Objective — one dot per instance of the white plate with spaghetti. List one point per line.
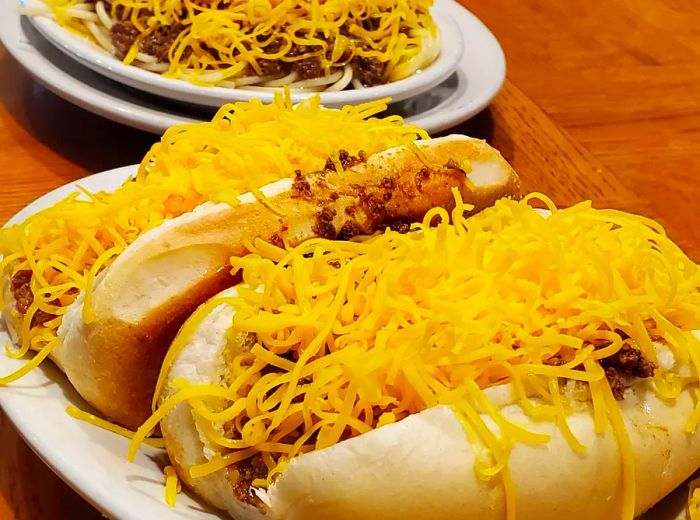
(92, 460)
(466, 92)
(341, 86)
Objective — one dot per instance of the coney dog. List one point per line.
(505, 365)
(112, 338)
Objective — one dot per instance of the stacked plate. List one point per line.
(460, 83)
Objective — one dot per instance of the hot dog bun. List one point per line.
(112, 352)
(423, 466)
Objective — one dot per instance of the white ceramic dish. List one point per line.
(479, 76)
(102, 62)
(93, 461)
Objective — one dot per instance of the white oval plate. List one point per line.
(93, 461)
(102, 62)
(479, 76)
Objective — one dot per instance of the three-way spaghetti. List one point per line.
(312, 45)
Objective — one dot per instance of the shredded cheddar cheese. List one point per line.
(89, 418)
(350, 336)
(245, 146)
(172, 485)
(238, 43)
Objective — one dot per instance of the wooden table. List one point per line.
(602, 102)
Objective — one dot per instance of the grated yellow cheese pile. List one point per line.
(355, 335)
(220, 40)
(245, 146)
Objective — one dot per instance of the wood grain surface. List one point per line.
(602, 102)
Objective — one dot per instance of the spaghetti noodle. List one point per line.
(311, 45)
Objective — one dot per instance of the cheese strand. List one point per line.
(89, 418)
